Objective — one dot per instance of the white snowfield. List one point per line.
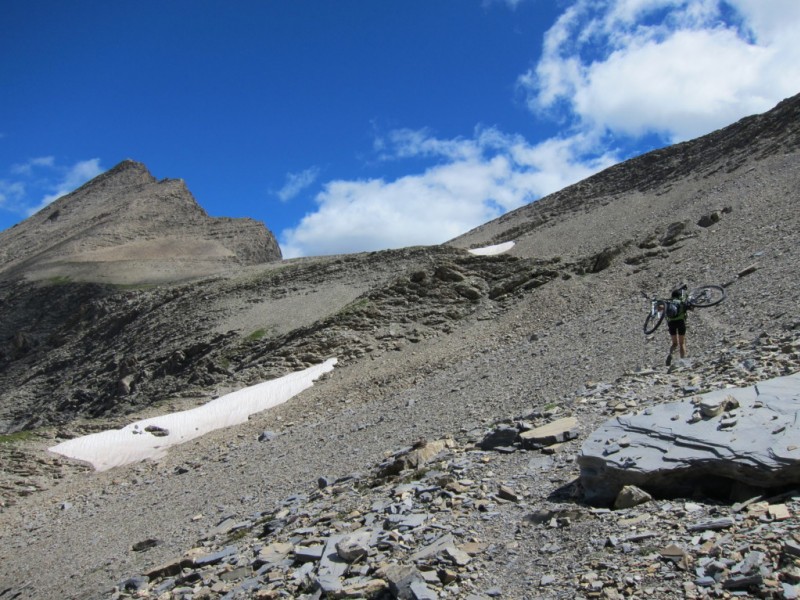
(492, 250)
(133, 443)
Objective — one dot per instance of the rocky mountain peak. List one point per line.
(125, 226)
(127, 173)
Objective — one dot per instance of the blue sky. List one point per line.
(354, 125)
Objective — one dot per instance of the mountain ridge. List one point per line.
(760, 136)
(436, 348)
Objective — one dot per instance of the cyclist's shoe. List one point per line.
(669, 359)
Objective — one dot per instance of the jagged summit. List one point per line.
(125, 226)
(127, 173)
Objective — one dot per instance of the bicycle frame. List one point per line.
(657, 306)
(700, 297)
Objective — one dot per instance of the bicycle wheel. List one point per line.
(652, 322)
(707, 295)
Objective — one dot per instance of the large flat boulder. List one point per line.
(711, 445)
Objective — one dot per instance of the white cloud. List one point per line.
(296, 183)
(408, 143)
(70, 179)
(11, 192)
(688, 85)
(27, 168)
(39, 181)
(609, 69)
(481, 178)
(678, 68)
(512, 4)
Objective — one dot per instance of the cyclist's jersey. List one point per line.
(681, 315)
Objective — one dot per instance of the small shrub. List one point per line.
(17, 437)
(59, 280)
(257, 335)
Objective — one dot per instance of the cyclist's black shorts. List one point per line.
(677, 327)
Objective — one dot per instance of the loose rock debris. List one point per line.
(454, 518)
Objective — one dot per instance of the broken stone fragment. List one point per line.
(506, 493)
(157, 431)
(308, 553)
(677, 555)
(168, 569)
(779, 512)
(709, 219)
(400, 578)
(422, 453)
(275, 552)
(267, 436)
(352, 548)
(743, 582)
(714, 406)
(747, 271)
(215, 557)
(560, 430)
(458, 557)
(502, 436)
(421, 591)
(630, 496)
(714, 525)
(145, 545)
(434, 548)
(791, 548)
(369, 588)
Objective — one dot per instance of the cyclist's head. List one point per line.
(676, 293)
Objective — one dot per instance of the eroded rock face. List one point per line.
(739, 438)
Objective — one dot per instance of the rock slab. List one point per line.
(677, 448)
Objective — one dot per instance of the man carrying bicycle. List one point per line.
(677, 308)
(674, 309)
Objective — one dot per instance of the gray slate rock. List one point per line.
(675, 450)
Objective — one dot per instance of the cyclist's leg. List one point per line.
(681, 328)
(673, 333)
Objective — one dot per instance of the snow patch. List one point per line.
(492, 250)
(134, 443)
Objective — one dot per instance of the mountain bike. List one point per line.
(700, 297)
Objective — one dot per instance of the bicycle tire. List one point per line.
(707, 295)
(652, 322)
